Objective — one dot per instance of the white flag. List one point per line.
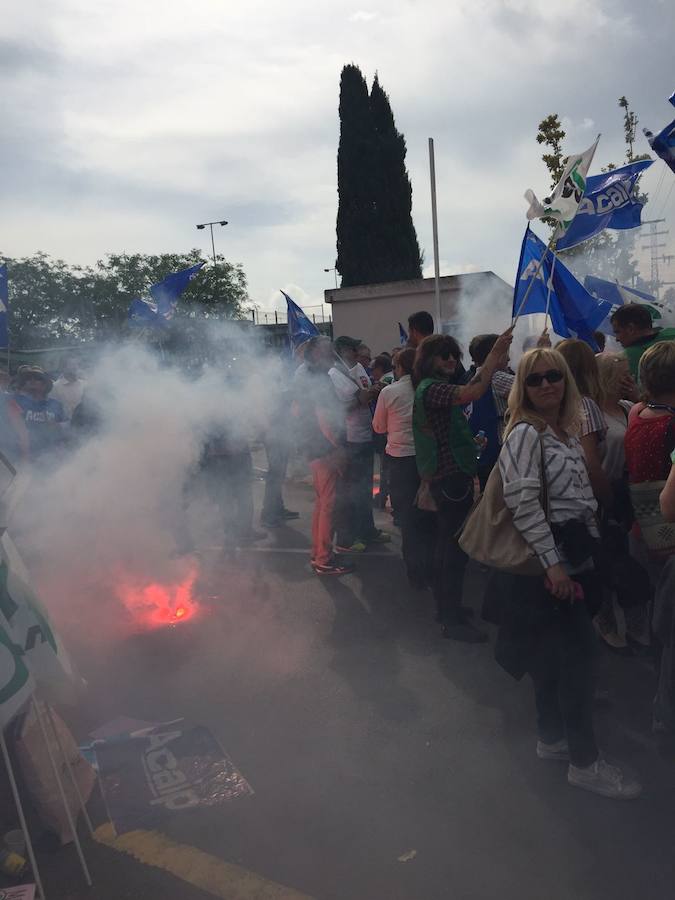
(566, 196)
(16, 682)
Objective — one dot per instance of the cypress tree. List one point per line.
(356, 164)
(397, 252)
(376, 239)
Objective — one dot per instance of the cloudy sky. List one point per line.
(125, 123)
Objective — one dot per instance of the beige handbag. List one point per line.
(489, 536)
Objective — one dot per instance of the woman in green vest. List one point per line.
(446, 458)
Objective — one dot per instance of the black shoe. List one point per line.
(464, 632)
(333, 568)
(289, 514)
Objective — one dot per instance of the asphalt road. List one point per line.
(387, 763)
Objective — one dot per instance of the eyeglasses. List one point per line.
(535, 379)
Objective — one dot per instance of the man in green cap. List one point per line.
(635, 331)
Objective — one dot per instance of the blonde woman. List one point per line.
(546, 628)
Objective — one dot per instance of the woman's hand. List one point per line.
(561, 585)
(544, 340)
(498, 357)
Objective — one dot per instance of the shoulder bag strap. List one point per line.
(545, 498)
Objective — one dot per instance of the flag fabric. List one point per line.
(142, 314)
(609, 201)
(402, 336)
(17, 685)
(574, 312)
(564, 200)
(671, 99)
(4, 306)
(663, 143)
(165, 293)
(300, 328)
(617, 294)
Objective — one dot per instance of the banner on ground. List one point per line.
(173, 767)
(573, 311)
(564, 201)
(609, 201)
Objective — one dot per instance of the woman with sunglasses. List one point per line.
(546, 628)
(446, 459)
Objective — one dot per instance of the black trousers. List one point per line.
(354, 511)
(554, 642)
(276, 449)
(454, 498)
(418, 528)
(228, 480)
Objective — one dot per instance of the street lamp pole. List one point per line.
(213, 248)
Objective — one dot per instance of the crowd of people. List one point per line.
(556, 476)
(567, 462)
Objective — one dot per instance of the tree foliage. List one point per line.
(551, 134)
(51, 302)
(376, 239)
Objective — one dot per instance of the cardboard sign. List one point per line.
(19, 892)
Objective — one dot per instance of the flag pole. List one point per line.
(533, 279)
(434, 223)
(548, 292)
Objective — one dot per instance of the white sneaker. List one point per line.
(558, 750)
(606, 780)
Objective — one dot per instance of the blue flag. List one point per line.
(574, 312)
(4, 306)
(166, 293)
(402, 336)
(300, 328)
(608, 202)
(671, 99)
(663, 143)
(144, 315)
(616, 294)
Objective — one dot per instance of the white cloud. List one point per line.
(129, 123)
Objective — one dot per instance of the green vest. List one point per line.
(426, 449)
(635, 351)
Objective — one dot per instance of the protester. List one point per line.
(546, 628)
(382, 374)
(487, 413)
(382, 369)
(502, 380)
(420, 325)
(277, 441)
(446, 461)
(625, 579)
(635, 331)
(69, 387)
(44, 417)
(393, 417)
(14, 441)
(354, 515)
(584, 367)
(321, 428)
(649, 445)
(364, 356)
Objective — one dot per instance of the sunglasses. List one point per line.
(535, 380)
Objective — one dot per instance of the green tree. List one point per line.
(551, 134)
(397, 250)
(376, 239)
(51, 302)
(356, 170)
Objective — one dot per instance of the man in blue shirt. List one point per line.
(43, 416)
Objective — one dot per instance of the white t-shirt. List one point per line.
(358, 419)
(393, 417)
(68, 393)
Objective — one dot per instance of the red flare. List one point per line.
(155, 604)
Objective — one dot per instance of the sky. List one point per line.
(127, 123)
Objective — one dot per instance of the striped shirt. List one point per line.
(592, 419)
(502, 382)
(570, 495)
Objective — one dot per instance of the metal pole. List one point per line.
(434, 222)
(549, 287)
(215, 265)
(64, 799)
(22, 817)
(73, 780)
